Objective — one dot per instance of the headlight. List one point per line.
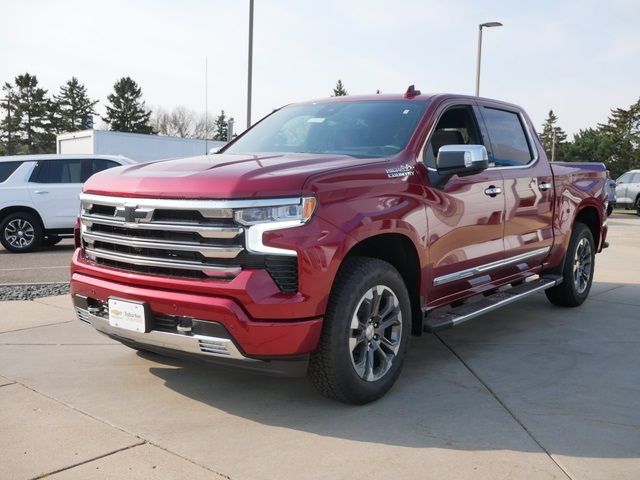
(300, 212)
(259, 220)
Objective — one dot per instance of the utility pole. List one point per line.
(250, 66)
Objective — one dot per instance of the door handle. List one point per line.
(41, 192)
(544, 186)
(492, 191)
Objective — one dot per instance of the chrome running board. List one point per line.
(450, 318)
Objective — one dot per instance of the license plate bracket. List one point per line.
(128, 315)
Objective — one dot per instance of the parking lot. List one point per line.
(530, 391)
(48, 264)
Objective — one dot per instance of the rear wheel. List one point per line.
(577, 273)
(21, 232)
(365, 333)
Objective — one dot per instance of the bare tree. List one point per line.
(178, 122)
(204, 127)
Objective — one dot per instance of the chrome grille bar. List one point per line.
(208, 251)
(202, 230)
(210, 270)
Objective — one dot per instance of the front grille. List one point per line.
(173, 238)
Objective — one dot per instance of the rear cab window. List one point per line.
(510, 145)
(7, 169)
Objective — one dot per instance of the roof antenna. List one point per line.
(411, 92)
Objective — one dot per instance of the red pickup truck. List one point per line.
(324, 236)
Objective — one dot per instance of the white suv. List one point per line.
(39, 196)
(628, 190)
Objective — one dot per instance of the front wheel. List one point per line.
(365, 333)
(577, 273)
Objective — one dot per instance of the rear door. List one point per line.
(55, 187)
(528, 187)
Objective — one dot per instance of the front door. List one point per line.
(465, 216)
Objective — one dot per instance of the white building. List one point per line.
(136, 146)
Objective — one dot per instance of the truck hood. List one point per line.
(220, 176)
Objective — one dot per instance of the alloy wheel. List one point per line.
(19, 233)
(376, 333)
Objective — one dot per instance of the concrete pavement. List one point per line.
(531, 391)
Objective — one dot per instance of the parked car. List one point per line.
(628, 190)
(321, 238)
(39, 196)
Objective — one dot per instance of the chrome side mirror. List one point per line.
(462, 160)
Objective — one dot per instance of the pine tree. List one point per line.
(340, 91)
(221, 127)
(74, 109)
(34, 127)
(126, 111)
(552, 136)
(9, 136)
(622, 135)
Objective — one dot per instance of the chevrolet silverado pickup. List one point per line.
(324, 236)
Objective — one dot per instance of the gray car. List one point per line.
(628, 190)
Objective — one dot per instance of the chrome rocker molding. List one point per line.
(472, 272)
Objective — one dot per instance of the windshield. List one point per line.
(361, 129)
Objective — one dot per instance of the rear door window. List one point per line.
(7, 169)
(509, 143)
(58, 171)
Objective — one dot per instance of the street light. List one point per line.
(250, 66)
(480, 27)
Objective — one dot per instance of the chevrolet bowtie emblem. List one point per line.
(132, 214)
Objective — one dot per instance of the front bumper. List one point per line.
(222, 330)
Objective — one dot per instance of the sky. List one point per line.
(579, 58)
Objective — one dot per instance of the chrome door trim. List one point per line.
(472, 272)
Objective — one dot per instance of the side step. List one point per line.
(458, 315)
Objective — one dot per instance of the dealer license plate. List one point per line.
(127, 315)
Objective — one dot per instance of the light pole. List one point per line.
(250, 66)
(480, 27)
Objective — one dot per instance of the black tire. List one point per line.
(577, 273)
(344, 350)
(21, 232)
(51, 241)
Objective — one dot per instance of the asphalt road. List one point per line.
(48, 264)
